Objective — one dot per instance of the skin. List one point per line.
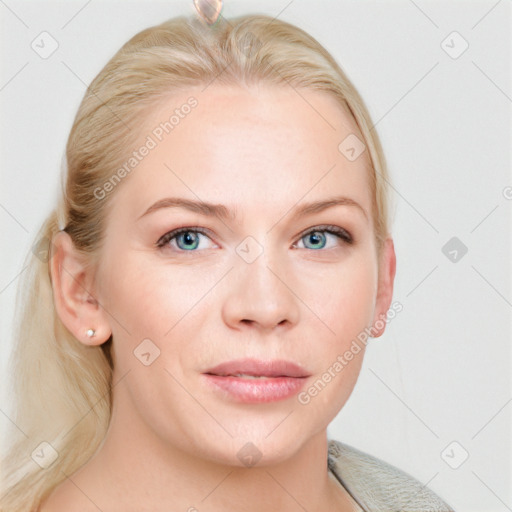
(172, 443)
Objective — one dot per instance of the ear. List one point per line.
(387, 270)
(73, 292)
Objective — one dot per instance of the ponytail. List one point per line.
(61, 389)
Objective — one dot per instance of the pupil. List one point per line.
(316, 238)
(188, 238)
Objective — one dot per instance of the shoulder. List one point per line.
(377, 485)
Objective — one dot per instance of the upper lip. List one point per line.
(255, 367)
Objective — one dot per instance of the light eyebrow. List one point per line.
(221, 212)
(201, 207)
(319, 206)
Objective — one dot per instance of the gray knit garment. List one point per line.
(378, 486)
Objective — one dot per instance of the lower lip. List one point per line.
(255, 391)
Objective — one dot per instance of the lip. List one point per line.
(258, 368)
(256, 381)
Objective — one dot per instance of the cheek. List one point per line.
(143, 302)
(345, 299)
(345, 303)
(346, 310)
(156, 302)
(140, 304)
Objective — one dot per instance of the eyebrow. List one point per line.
(221, 212)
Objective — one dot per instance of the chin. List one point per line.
(255, 445)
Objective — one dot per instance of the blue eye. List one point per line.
(186, 239)
(317, 237)
(189, 239)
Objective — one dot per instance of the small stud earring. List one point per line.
(91, 333)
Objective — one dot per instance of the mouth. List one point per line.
(256, 381)
(258, 369)
(247, 376)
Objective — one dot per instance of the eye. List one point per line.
(190, 239)
(184, 239)
(317, 237)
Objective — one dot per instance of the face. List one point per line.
(245, 304)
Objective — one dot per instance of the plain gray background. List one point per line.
(437, 385)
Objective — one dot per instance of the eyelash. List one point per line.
(341, 233)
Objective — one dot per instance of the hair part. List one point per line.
(63, 387)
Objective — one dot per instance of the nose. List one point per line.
(260, 296)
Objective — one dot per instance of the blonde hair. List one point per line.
(62, 387)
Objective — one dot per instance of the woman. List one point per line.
(221, 241)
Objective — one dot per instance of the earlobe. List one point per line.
(73, 293)
(387, 270)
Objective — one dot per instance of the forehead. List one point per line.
(263, 144)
